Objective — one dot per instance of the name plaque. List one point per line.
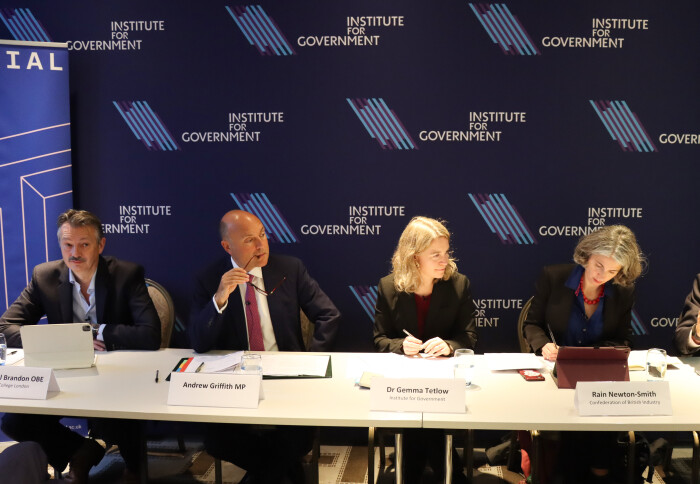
(27, 382)
(215, 390)
(439, 395)
(623, 398)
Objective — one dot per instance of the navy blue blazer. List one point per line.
(552, 304)
(450, 315)
(209, 330)
(122, 303)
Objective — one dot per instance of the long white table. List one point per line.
(122, 385)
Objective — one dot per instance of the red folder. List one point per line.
(575, 364)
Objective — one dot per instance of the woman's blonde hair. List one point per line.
(618, 242)
(416, 237)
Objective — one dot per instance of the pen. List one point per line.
(12, 352)
(409, 334)
(157, 375)
(551, 335)
(199, 367)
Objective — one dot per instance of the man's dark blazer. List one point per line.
(688, 318)
(552, 304)
(121, 299)
(209, 330)
(450, 315)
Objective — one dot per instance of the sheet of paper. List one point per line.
(637, 360)
(215, 364)
(280, 364)
(512, 361)
(392, 365)
(14, 355)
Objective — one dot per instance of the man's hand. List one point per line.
(99, 345)
(229, 281)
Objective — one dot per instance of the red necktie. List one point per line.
(255, 338)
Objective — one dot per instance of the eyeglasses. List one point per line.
(263, 291)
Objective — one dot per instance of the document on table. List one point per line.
(637, 361)
(513, 361)
(14, 355)
(215, 364)
(392, 365)
(281, 364)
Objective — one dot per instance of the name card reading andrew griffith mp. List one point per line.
(439, 395)
(597, 398)
(215, 390)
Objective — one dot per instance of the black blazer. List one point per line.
(450, 315)
(209, 330)
(121, 299)
(688, 318)
(552, 304)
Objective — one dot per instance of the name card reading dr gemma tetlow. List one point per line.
(27, 382)
(215, 390)
(439, 395)
(623, 398)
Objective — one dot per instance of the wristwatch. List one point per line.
(95, 329)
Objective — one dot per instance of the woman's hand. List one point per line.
(436, 347)
(411, 346)
(550, 351)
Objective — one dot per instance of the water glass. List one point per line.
(464, 364)
(251, 364)
(656, 364)
(3, 349)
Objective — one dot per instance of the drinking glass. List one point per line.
(464, 364)
(656, 364)
(251, 364)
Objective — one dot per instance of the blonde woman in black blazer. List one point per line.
(427, 297)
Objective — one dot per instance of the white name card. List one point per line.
(439, 395)
(27, 382)
(215, 390)
(623, 398)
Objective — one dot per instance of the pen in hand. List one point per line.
(409, 334)
(551, 335)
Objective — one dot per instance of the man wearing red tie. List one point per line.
(251, 299)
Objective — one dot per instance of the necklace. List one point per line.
(590, 302)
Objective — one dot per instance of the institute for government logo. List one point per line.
(146, 125)
(502, 218)
(504, 29)
(638, 328)
(23, 25)
(276, 227)
(260, 30)
(367, 297)
(382, 123)
(623, 126)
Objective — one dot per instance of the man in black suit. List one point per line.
(251, 299)
(111, 295)
(686, 336)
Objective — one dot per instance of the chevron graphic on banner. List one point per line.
(146, 125)
(623, 126)
(23, 25)
(504, 29)
(503, 219)
(276, 226)
(382, 124)
(638, 327)
(260, 30)
(367, 297)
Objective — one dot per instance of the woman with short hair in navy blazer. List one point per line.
(425, 296)
(588, 303)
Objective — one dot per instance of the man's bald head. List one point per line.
(243, 237)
